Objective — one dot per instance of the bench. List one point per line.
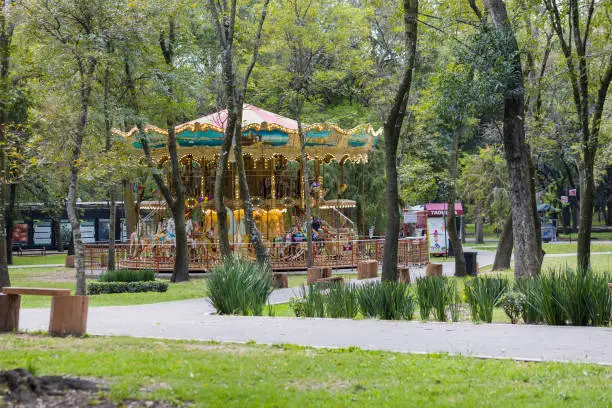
(31, 251)
(68, 313)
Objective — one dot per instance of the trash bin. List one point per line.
(470, 263)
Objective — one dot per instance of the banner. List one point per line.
(438, 240)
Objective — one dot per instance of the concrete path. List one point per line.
(36, 266)
(192, 320)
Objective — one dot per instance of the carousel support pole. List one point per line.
(203, 180)
(363, 230)
(273, 181)
(301, 185)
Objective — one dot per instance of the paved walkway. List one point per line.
(192, 320)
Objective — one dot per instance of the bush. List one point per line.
(483, 294)
(98, 288)
(128, 275)
(237, 286)
(513, 303)
(386, 300)
(437, 293)
(564, 296)
(341, 301)
(311, 303)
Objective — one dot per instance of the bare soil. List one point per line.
(20, 389)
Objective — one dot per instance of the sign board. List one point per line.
(20, 233)
(42, 232)
(572, 192)
(103, 229)
(88, 231)
(410, 217)
(66, 231)
(438, 239)
(564, 199)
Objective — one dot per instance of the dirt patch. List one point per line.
(23, 390)
(59, 275)
(332, 385)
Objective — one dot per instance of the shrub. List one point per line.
(564, 296)
(128, 275)
(386, 300)
(483, 293)
(513, 303)
(237, 286)
(311, 302)
(341, 301)
(437, 293)
(98, 288)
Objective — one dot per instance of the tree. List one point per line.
(578, 37)
(224, 17)
(392, 131)
(74, 27)
(528, 255)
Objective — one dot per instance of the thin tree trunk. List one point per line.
(451, 225)
(10, 218)
(306, 182)
(479, 230)
(57, 232)
(222, 230)
(392, 130)
(256, 240)
(4, 273)
(527, 254)
(111, 191)
(503, 255)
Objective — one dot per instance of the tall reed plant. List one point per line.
(437, 295)
(483, 294)
(237, 286)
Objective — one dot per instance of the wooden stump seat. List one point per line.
(315, 273)
(433, 269)
(68, 313)
(367, 269)
(280, 280)
(332, 279)
(403, 273)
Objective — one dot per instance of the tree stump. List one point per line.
(332, 279)
(9, 312)
(68, 315)
(326, 272)
(433, 269)
(69, 261)
(367, 269)
(404, 274)
(280, 280)
(313, 275)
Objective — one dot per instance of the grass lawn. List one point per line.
(245, 375)
(53, 259)
(65, 278)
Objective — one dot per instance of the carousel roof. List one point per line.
(265, 134)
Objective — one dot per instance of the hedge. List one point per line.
(98, 288)
(128, 275)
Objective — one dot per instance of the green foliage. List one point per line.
(483, 294)
(127, 275)
(386, 300)
(565, 296)
(513, 303)
(342, 301)
(438, 294)
(97, 288)
(238, 286)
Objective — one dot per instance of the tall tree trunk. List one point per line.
(451, 225)
(10, 219)
(527, 254)
(180, 272)
(111, 191)
(503, 255)
(392, 130)
(71, 203)
(222, 229)
(306, 182)
(4, 273)
(256, 240)
(56, 223)
(479, 228)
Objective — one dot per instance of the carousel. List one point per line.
(275, 174)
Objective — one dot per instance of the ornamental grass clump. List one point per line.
(565, 296)
(386, 300)
(437, 294)
(311, 302)
(237, 286)
(341, 301)
(483, 294)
